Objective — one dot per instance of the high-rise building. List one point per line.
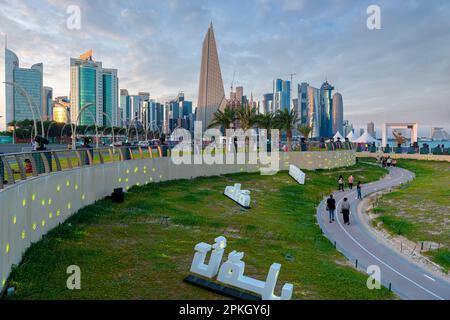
(314, 111)
(47, 103)
(326, 105)
(61, 110)
(302, 92)
(211, 94)
(348, 127)
(17, 106)
(240, 94)
(125, 107)
(281, 94)
(337, 114)
(90, 84)
(371, 129)
(110, 98)
(268, 102)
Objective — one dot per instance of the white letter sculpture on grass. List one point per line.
(235, 193)
(232, 271)
(297, 174)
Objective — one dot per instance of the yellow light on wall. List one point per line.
(136, 170)
(33, 197)
(128, 171)
(154, 170)
(43, 202)
(76, 186)
(34, 226)
(83, 197)
(43, 222)
(119, 180)
(58, 213)
(7, 248)
(58, 188)
(49, 201)
(3, 282)
(69, 205)
(14, 220)
(126, 180)
(24, 202)
(50, 215)
(67, 183)
(23, 235)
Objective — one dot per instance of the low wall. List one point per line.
(31, 208)
(432, 157)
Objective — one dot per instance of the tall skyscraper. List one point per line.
(240, 94)
(125, 107)
(268, 102)
(47, 103)
(91, 84)
(281, 94)
(371, 129)
(326, 106)
(303, 102)
(211, 94)
(110, 97)
(338, 114)
(30, 80)
(314, 111)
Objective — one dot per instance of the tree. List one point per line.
(286, 120)
(305, 130)
(224, 118)
(247, 117)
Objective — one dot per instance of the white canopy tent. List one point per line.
(338, 135)
(365, 138)
(351, 136)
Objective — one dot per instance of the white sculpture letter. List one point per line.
(297, 174)
(235, 193)
(198, 264)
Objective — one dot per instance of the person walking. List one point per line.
(345, 210)
(358, 190)
(350, 182)
(341, 183)
(331, 207)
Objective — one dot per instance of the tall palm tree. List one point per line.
(265, 121)
(223, 118)
(286, 120)
(247, 117)
(305, 130)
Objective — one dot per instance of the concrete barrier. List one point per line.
(416, 156)
(31, 208)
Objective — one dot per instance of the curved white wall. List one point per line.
(29, 209)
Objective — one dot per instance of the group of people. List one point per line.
(345, 206)
(386, 161)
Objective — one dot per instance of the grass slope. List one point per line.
(143, 248)
(420, 210)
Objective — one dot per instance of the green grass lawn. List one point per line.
(143, 248)
(420, 210)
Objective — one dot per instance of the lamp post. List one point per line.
(30, 105)
(74, 132)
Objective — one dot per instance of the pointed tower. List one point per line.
(211, 94)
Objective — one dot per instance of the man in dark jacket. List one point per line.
(331, 207)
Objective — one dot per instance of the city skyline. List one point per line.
(361, 64)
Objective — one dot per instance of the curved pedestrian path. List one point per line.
(408, 279)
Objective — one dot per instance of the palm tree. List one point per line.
(247, 117)
(265, 121)
(305, 130)
(286, 120)
(223, 118)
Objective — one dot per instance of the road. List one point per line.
(408, 279)
(26, 147)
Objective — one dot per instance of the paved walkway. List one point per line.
(408, 279)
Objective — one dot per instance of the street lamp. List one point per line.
(74, 132)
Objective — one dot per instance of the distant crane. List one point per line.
(232, 82)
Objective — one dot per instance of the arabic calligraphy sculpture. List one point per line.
(232, 271)
(235, 193)
(297, 174)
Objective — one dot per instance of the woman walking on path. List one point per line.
(345, 210)
(350, 182)
(358, 190)
(341, 183)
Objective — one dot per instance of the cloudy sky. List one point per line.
(398, 73)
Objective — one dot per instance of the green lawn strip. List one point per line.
(143, 248)
(419, 210)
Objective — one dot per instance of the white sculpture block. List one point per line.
(297, 174)
(198, 264)
(235, 193)
(232, 272)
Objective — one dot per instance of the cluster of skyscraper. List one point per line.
(95, 98)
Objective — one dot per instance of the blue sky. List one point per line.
(398, 73)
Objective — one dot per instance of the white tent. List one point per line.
(365, 138)
(351, 136)
(338, 135)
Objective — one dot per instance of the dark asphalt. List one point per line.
(408, 279)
